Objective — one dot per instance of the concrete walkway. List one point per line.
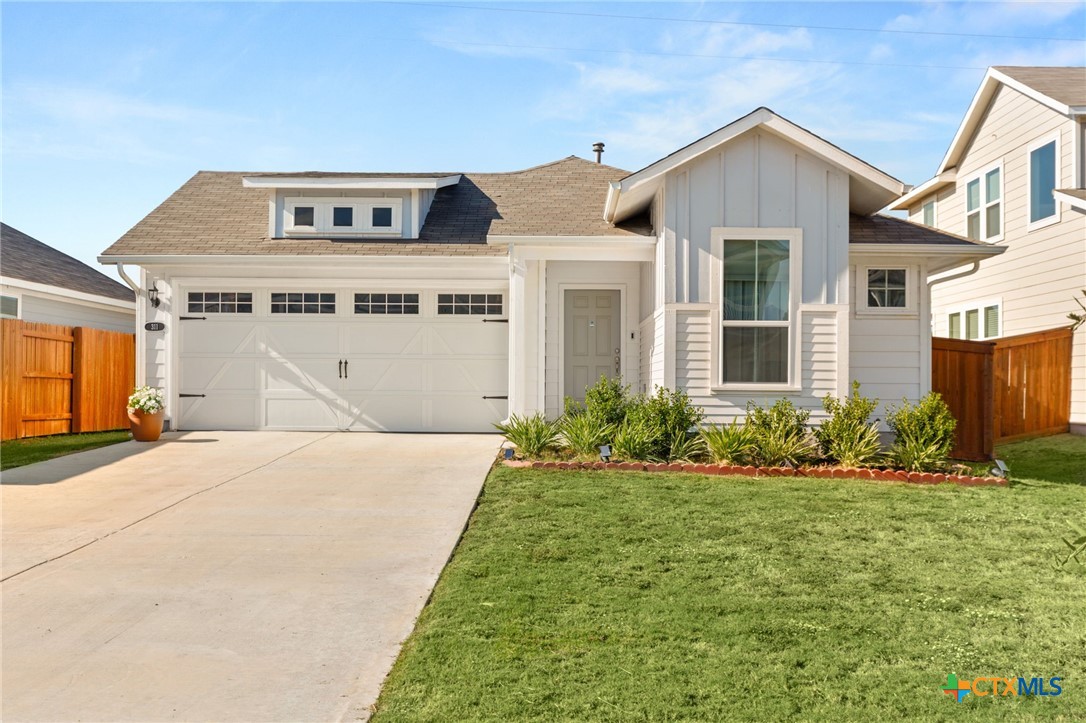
(226, 576)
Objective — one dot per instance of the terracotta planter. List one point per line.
(145, 427)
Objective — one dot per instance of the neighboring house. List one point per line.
(39, 283)
(1015, 176)
(745, 266)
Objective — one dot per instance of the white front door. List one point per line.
(592, 341)
(373, 371)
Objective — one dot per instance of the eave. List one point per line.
(937, 257)
(346, 183)
(932, 185)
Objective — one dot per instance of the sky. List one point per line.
(107, 108)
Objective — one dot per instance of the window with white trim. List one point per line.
(220, 302)
(303, 302)
(984, 206)
(928, 213)
(886, 289)
(473, 304)
(343, 216)
(385, 303)
(9, 307)
(755, 311)
(1043, 175)
(976, 323)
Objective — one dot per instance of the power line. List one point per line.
(518, 46)
(491, 8)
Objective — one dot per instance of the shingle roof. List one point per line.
(24, 257)
(1066, 85)
(1079, 193)
(879, 229)
(213, 213)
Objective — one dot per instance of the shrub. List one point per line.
(781, 434)
(729, 444)
(607, 399)
(584, 433)
(925, 434)
(635, 439)
(686, 447)
(847, 437)
(670, 416)
(532, 435)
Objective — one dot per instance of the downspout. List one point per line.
(141, 368)
(954, 277)
(120, 272)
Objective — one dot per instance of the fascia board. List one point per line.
(322, 261)
(68, 294)
(347, 183)
(944, 179)
(1071, 201)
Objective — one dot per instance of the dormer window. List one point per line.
(359, 216)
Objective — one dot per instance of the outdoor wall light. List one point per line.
(507, 453)
(152, 296)
(605, 453)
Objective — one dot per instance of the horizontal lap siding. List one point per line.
(818, 365)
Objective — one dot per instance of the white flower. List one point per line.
(147, 399)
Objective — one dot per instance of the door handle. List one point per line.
(340, 368)
(618, 365)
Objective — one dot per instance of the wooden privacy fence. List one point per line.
(59, 379)
(1006, 389)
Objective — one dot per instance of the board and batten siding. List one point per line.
(1035, 280)
(758, 180)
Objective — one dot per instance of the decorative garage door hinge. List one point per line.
(193, 318)
(501, 397)
(192, 395)
(495, 321)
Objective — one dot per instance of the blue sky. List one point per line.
(108, 108)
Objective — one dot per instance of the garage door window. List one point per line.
(481, 304)
(386, 303)
(220, 302)
(290, 302)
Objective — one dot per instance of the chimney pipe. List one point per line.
(597, 148)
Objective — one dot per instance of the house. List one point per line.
(749, 265)
(1015, 176)
(39, 283)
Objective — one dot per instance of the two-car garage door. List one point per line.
(345, 359)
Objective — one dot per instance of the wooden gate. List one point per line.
(59, 379)
(1005, 389)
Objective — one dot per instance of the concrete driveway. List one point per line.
(226, 576)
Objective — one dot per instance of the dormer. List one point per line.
(348, 205)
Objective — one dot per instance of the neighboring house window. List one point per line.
(290, 302)
(477, 304)
(9, 307)
(756, 304)
(983, 205)
(343, 215)
(887, 289)
(1042, 182)
(928, 211)
(386, 303)
(220, 302)
(976, 322)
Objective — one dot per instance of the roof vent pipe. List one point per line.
(597, 148)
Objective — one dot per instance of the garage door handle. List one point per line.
(340, 368)
(345, 373)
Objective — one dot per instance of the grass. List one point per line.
(608, 596)
(1060, 458)
(20, 452)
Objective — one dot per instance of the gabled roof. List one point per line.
(869, 188)
(1065, 86)
(24, 257)
(214, 213)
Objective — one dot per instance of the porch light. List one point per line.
(152, 296)
(605, 453)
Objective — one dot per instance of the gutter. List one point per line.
(954, 277)
(120, 272)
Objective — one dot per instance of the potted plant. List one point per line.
(145, 412)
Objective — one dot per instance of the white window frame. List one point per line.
(910, 308)
(984, 204)
(362, 210)
(794, 237)
(934, 203)
(18, 305)
(979, 307)
(1055, 217)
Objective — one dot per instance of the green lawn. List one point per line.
(19, 452)
(632, 597)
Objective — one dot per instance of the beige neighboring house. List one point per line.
(40, 284)
(1015, 176)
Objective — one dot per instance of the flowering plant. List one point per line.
(147, 399)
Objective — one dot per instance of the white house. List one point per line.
(747, 265)
(39, 283)
(1015, 176)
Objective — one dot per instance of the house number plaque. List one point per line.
(154, 326)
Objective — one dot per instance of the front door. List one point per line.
(592, 339)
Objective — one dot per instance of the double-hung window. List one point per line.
(975, 322)
(1043, 177)
(984, 205)
(758, 276)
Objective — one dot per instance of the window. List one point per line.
(307, 302)
(220, 302)
(1042, 182)
(9, 307)
(474, 304)
(344, 215)
(975, 322)
(386, 303)
(755, 311)
(928, 211)
(983, 207)
(886, 288)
